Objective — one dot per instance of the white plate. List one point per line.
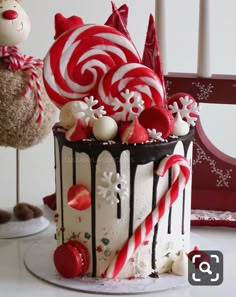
(39, 261)
(15, 228)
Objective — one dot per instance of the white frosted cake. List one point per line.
(122, 154)
(112, 218)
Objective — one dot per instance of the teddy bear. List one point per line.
(26, 113)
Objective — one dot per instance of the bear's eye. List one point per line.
(1, 6)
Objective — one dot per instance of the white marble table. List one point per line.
(15, 280)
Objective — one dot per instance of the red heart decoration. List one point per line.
(63, 24)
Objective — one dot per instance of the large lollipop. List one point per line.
(80, 57)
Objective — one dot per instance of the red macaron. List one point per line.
(71, 259)
(158, 118)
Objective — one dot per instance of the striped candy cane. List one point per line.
(178, 184)
(17, 61)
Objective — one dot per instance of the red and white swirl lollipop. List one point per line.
(80, 57)
(128, 89)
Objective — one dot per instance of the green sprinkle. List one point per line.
(87, 235)
(105, 241)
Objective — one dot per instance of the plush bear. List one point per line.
(26, 113)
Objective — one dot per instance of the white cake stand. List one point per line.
(39, 261)
(16, 228)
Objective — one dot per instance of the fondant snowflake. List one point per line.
(189, 110)
(131, 108)
(91, 113)
(153, 134)
(113, 185)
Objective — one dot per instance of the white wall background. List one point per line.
(37, 172)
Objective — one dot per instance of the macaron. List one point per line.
(71, 259)
(158, 118)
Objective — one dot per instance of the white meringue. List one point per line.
(181, 127)
(180, 265)
(71, 112)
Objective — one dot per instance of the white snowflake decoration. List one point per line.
(91, 114)
(113, 185)
(153, 134)
(188, 107)
(131, 108)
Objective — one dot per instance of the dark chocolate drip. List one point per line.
(119, 206)
(183, 213)
(170, 210)
(184, 198)
(133, 168)
(74, 167)
(154, 205)
(60, 147)
(93, 163)
(141, 153)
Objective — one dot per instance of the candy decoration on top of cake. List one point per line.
(122, 154)
(79, 59)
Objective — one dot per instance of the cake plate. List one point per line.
(39, 261)
(16, 228)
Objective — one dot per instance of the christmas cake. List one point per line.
(122, 153)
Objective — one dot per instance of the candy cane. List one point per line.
(80, 57)
(154, 217)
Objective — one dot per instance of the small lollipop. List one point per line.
(126, 90)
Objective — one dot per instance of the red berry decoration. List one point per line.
(79, 197)
(71, 259)
(158, 118)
